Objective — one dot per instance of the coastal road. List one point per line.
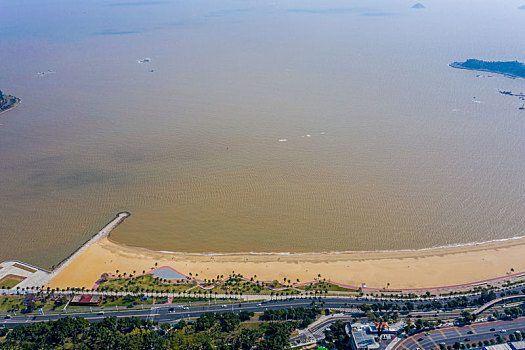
(162, 314)
(340, 300)
(449, 336)
(168, 312)
(315, 331)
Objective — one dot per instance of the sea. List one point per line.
(247, 126)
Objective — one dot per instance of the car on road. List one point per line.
(185, 308)
(442, 343)
(259, 304)
(223, 306)
(492, 329)
(100, 313)
(171, 310)
(467, 339)
(470, 332)
(427, 333)
(503, 330)
(7, 317)
(496, 334)
(420, 339)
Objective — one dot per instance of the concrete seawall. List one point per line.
(103, 233)
(43, 277)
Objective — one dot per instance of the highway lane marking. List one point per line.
(458, 332)
(443, 334)
(400, 344)
(418, 344)
(403, 346)
(472, 329)
(433, 342)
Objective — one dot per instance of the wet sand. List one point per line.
(402, 269)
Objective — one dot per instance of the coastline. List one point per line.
(12, 106)
(459, 65)
(448, 246)
(406, 269)
(103, 233)
(45, 276)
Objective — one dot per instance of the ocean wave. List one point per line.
(456, 245)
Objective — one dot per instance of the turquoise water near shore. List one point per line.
(386, 147)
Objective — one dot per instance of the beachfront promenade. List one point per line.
(41, 278)
(364, 299)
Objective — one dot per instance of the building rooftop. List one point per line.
(518, 345)
(364, 339)
(504, 346)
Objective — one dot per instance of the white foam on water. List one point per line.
(346, 251)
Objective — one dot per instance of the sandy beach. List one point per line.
(403, 269)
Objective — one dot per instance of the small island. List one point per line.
(7, 102)
(511, 69)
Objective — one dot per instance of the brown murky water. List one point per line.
(290, 127)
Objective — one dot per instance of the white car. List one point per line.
(259, 304)
(223, 306)
(186, 308)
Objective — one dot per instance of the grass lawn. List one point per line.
(187, 300)
(146, 283)
(124, 301)
(244, 287)
(161, 300)
(14, 303)
(11, 303)
(326, 286)
(251, 325)
(113, 301)
(10, 281)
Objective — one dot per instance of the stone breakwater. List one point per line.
(103, 233)
(42, 277)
